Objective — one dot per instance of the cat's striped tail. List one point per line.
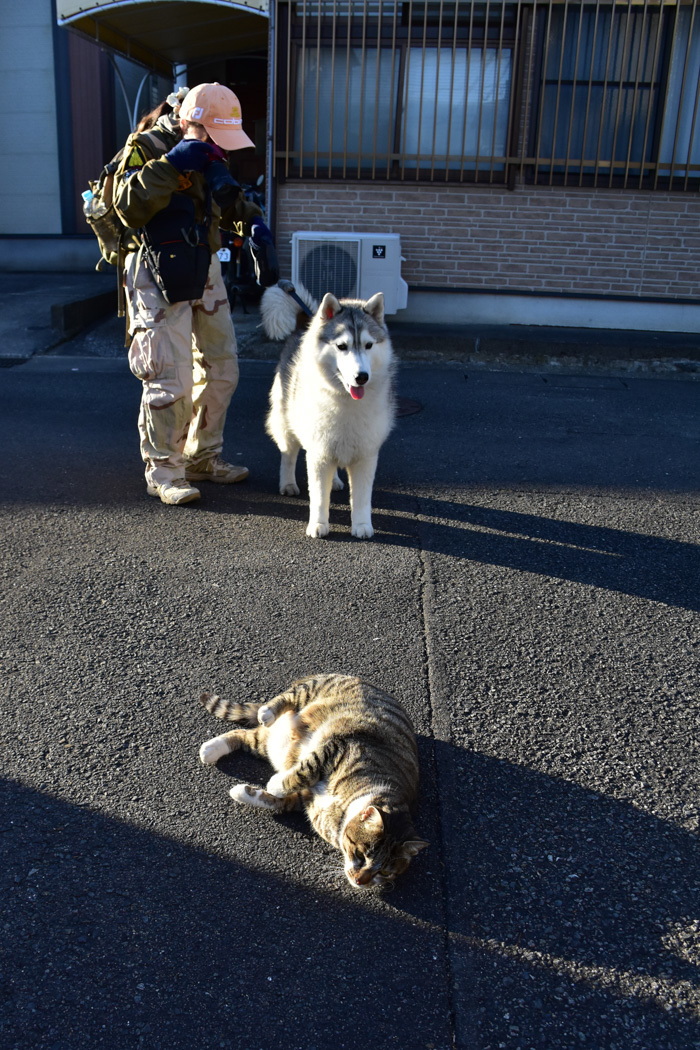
(229, 710)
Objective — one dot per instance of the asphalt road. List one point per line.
(532, 595)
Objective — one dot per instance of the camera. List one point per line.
(223, 186)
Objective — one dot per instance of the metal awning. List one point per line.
(163, 34)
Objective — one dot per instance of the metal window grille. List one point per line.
(569, 92)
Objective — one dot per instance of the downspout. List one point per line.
(270, 157)
(64, 126)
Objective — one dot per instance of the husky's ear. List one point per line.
(375, 307)
(329, 307)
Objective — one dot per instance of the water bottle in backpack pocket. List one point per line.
(101, 216)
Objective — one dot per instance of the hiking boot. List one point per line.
(216, 470)
(174, 492)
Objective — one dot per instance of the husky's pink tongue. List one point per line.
(358, 392)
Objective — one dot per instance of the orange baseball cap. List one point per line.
(218, 110)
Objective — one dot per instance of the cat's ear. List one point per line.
(413, 846)
(372, 819)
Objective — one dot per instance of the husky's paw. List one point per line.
(337, 484)
(274, 786)
(212, 750)
(290, 490)
(362, 530)
(266, 716)
(317, 529)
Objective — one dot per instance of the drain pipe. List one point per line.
(270, 145)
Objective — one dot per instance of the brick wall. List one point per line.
(534, 239)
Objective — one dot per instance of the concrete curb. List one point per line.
(69, 319)
(45, 310)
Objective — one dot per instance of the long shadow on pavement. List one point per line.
(568, 912)
(630, 563)
(118, 937)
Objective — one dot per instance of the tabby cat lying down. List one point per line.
(346, 753)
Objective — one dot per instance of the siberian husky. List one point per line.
(332, 396)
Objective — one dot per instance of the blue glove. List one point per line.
(259, 233)
(190, 155)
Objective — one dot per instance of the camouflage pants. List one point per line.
(185, 356)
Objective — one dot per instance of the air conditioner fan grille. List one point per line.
(328, 267)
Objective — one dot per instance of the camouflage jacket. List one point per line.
(145, 181)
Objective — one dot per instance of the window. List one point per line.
(618, 94)
(456, 105)
(572, 92)
(679, 149)
(347, 107)
(400, 90)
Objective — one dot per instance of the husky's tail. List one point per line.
(230, 711)
(280, 313)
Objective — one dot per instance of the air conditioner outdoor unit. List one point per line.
(350, 265)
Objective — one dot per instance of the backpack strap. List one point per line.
(121, 266)
(160, 146)
(156, 140)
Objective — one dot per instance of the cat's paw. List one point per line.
(337, 485)
(362, 531)
(266, 716)
(290, 490)
(244, 793)
(212, 750)
(252, 796)
(274, 786)
(317, 529)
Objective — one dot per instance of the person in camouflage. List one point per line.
(184, 353)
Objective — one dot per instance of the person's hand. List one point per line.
(190, 155)
(224, 188)
(259, 233)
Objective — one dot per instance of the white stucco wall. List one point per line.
(29, 179)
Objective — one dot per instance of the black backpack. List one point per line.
(176, 250)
